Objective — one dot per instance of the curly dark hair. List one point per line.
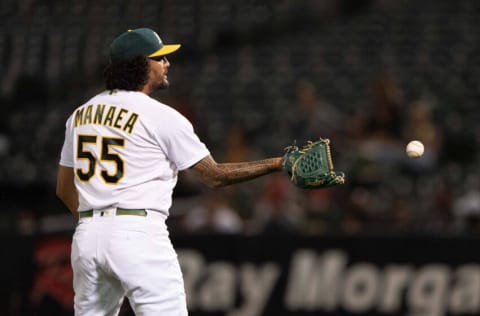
(131, 74)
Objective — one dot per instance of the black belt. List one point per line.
(120, 211)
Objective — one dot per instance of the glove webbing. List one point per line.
(305, 149)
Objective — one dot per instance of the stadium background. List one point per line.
(252, 76)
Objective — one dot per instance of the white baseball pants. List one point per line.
(114, 256)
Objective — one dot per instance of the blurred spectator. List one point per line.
(400, 217)
(212, 215)
(237, 145)
(27, 222)
(466, 207)
(320, 214)
(277, 208)
(377, 138)
(311, 117)
(355, 215)
(387, 117)
(442, 218)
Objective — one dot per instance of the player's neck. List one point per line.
(146, 89)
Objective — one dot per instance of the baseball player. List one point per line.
(118, 167)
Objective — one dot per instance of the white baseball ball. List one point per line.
(415, 149)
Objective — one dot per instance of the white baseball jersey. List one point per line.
(126, 150)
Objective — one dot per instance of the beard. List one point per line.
(162, 85)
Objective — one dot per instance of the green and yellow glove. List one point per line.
(311, 167)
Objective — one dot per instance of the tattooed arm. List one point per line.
(220, 174)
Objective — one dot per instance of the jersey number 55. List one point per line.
(106, 155)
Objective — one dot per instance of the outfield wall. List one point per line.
(274, 275)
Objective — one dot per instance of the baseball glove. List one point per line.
(311, 167)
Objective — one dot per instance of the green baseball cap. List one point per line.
(139, 42)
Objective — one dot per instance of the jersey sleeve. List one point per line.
(66, 156)
(180, 142)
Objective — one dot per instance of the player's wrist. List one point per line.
(278, 163)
